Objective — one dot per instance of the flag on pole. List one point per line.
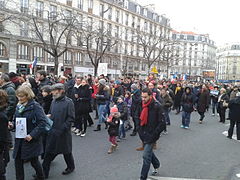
(34, 63)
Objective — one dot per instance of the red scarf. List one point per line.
(144, 113)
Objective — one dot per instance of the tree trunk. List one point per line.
(55, 66)
(95, 70)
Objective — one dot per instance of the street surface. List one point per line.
(202, 152)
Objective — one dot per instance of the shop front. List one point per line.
(4, 67)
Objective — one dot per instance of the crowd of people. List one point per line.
(43, 112)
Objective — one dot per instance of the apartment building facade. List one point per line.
(123, 19)
(192, 54)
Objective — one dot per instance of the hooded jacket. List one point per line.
(187, 100)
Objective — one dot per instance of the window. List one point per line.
(126, 48)
(23, 29)
(145, 12)
(38, 52)
(69, 2)
(90, 22)
(68, 14)
(154, 17)
(79, 58)
(117, 32)
(90, 4)
(39, 9)
(2, 4)
(117, 16)
(80, 4)
(101, 10)
(53, 11)
(109, 13)
(138, 9)
(50, 58)
(145, 26)
(126, 34)
(126, 20)
(126, 4)
(3, 50)
(23, 51)
(190, 37)
(24, 6)
(109, 29)
(68, 57)
(133, 21)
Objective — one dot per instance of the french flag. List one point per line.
(34, 63)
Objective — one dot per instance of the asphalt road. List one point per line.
(202, 152)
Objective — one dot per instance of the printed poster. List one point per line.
(21, 128)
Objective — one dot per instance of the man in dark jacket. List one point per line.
(59, 140)
(150, 126)
(136, 103)
(234, 106)
(41, 80)
(118, 91)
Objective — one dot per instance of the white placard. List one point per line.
(21, 127)
(102, 69)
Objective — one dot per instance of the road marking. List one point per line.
(234, 137)
(170, 178)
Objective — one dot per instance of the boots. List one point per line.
(98, 128)
(140, 148)
(106, 125)
(110, 151)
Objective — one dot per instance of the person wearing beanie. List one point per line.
(113, 128)
(118, 91)
(123, 110)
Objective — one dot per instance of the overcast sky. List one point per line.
(219, 18)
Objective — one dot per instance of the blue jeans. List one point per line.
(166, 116)
(186, 118)
(148, 159)
(122, 133)
(214, 107)
(101, 110)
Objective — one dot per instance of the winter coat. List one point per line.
(136, 103)
(123, 109)
(70, 88)
(203, 101)
(3, 129)
(166, 101)
(129, 104)
(103, 96)
(36, 122)
(47, 100)
(83, 102)
(224, 98)
(113, 127)
(150, 132)
(59, 140)
(9, 88)
(187, 102)
(119, 91)
(234, 107)
(156, 95)
(178, 96)
(233, 94)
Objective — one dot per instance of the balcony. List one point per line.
(39, 13)
(24, 10)
(69, 3)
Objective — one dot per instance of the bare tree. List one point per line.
(153, 46)
(55, 33)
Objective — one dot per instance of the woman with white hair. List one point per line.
(223, 100)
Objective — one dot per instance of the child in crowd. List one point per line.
(128, 100)
(123, 110)
(113, 128)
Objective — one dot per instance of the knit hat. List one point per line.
(117, 82)
(134, 87)
(102, 81)
(114, 109)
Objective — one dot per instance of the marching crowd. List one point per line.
(43, 112)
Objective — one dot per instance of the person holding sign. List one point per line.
(30, 122)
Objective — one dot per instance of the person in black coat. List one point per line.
(118, 91)
(30, 147)
(136, 103)
(187, 104)
(151, 125)
(223, 99)
(203, 102)
(3, 134)
(82, 106)
(178, 91)
(234, 106)
(123, 110)
(59, 140)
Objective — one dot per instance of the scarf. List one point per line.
(177, 89)
(144, 113)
